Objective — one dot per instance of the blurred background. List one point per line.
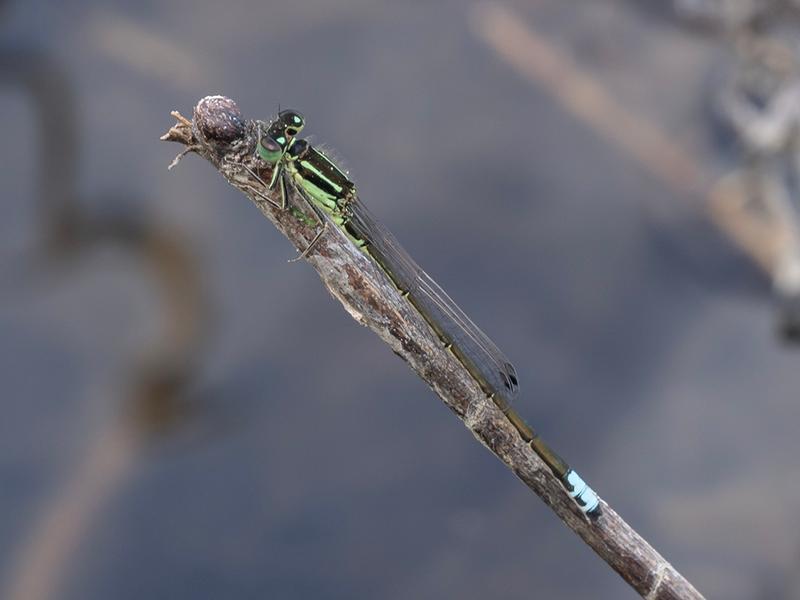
(605, 186)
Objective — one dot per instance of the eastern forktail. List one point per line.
(332, 196)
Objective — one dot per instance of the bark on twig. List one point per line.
(222, 136)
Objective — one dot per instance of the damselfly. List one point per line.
(332, 196)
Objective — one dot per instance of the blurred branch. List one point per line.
(154, 403)
(586, 98)
(52, 99)
(219, 134)
(156, 387)
(653, 148)
(760, 102)
(70, 230)
(732, 208)
(40, 562)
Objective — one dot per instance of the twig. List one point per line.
(219, 134)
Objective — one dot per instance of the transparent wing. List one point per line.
(477, 352)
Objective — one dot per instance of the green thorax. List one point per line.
(324, 182)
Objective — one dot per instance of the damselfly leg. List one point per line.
(318, 213)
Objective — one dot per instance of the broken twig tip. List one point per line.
(183, 120)
(178, 158)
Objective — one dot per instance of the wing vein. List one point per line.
(486, 361)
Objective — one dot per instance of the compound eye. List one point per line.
(292, 120)
(269, 150)
(298, 149)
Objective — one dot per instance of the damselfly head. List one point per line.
(291, 121)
